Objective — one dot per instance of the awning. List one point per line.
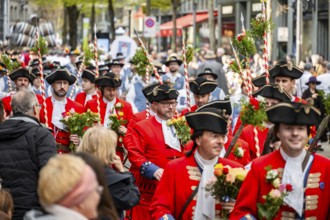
(182, 22)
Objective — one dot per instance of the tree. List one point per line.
(112, 19)
(211, 24)
(175, 4)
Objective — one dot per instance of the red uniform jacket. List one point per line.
(179, 180)
(140, 116)
(145, 143)
(317, 191)
(7, 103)
(61, 137)
(81, 98)
(126, 109)
(248, 136)
(239, 143)
(192, 109)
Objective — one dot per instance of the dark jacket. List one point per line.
(25, 146)
(124, 192)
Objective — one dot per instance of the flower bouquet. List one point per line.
(244, 44)
(253, 111)
(182, 129)
(260, 25)
(117, 120)
(77, 123)
(226, 185)
(275, 198)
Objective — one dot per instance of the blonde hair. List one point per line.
(58, 177)
(99, 142)
(6, 204)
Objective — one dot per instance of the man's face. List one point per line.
(60, 88)
(116, 69)
(201, 99)
(22, 83)
(110, 93)
(210, 144)
(286, 83)
(293, 138)
(173, 66)
(87, 85)
(73, 58)
(166, 109)
(37, 82)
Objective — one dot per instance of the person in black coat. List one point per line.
(101, 143)
(25, 147)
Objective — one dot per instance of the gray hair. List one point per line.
(23, 101)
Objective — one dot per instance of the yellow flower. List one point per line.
(218, 169)
(169, 122)
(276, 183)
(121, 114)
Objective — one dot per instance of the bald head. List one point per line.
(23, 102)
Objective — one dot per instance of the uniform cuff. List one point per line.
(148, 169)
(248, 217)
(167, 217)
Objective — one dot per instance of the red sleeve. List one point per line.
(135, 146)
(163, 200)
(246, 202)
(80, 98)
(128, 111)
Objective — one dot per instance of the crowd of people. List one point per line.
(42, 178)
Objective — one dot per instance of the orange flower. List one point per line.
(121, 114)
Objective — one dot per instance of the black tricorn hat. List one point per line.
(163, 92)
(202, 86)
(287, 69)
(147, 91)
(108, 80)
(173, 58)
(293, 113)
(273, 91)
(224, 105)
(114, 62)
(260, 81)
(61, 73)
(208, 71)
(90, 75)
(119, 56)
(208, 119)
(103, 67)
(22, 72)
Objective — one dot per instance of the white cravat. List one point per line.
(58, 109)
(294, 175)
(110, 110)
(89, 97)
(205, 207)
(169, 135)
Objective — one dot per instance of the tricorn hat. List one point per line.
(147, 91)
(61, 73)
(173, 58)
(293, 113)
(22, 72)
(287, 69)
(260, 81)
(224, 105)
(202, 86)
(273, 91)
(114, 62)
(163, 92)
(208, 119)
(90, 75)
(108, 80)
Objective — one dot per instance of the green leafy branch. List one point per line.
(41, 44)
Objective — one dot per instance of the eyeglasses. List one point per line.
(169, 104)
(99, 189)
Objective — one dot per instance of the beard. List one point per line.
(60, 93)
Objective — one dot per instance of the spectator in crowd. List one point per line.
(324, 79)
(68, 189)
(2, 113)
(6, 204)
(106, 208)
(173, 76)
(101, 143)
(301, 83)
(25, 146)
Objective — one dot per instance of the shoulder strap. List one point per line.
(305, 161)
(185, 206)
